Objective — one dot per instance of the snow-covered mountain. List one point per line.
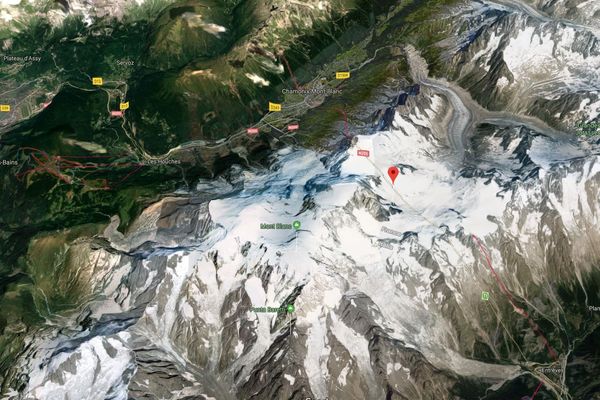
(512, 58)
(472, 276)
(385, 279)
(582, 12)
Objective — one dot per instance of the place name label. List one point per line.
(168, 161)
(391, 231)
(385, 245)
(126, 62)
(312, 91)
(588, 128)
(594, 308)
(21, 58)
(269, 309)
(9, 163)
(276, 226)
(555, 371)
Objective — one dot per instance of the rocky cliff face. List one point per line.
(515, 59)
(583, 12)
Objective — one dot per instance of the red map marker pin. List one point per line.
(393, 173)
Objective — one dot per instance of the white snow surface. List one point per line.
(96, 373)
